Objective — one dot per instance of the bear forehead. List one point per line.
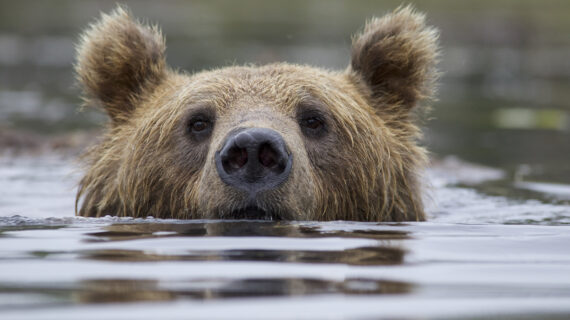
(272, 82)
(280, 86)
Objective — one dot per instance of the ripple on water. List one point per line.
(466, 261)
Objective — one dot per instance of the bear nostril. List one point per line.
(235, 159)
(267, 156)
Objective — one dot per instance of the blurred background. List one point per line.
(504, 98)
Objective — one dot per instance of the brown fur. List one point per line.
(364, 168)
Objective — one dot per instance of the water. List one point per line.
(480, 256)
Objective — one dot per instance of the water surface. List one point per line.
(479, 256)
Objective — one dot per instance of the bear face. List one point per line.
(279, 141)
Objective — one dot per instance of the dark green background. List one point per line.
(504, 98)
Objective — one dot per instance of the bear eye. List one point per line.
(199, 127)
(313, 125)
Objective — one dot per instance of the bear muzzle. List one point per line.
(254, 160)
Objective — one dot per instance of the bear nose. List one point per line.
(253, 160)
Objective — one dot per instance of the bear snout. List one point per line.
(254, 160)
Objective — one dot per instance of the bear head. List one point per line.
(278, 141)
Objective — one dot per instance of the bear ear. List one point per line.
(396, 56)
(119, 61)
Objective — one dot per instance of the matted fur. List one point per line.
(365, 168)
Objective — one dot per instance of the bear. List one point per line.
(265, 142)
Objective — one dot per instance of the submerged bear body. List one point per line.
(278, 141)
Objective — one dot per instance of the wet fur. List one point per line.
(367, 167)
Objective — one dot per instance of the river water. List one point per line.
(480, 256)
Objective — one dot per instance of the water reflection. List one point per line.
(120, 291)
(129, 290)
(360, 256)
(123, 290)
(381, 254)
(130, 231)
(94, 267)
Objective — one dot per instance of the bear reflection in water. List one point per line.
(273, 142)
(124, 290)
(129, 290)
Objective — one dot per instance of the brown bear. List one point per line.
(275, 142)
